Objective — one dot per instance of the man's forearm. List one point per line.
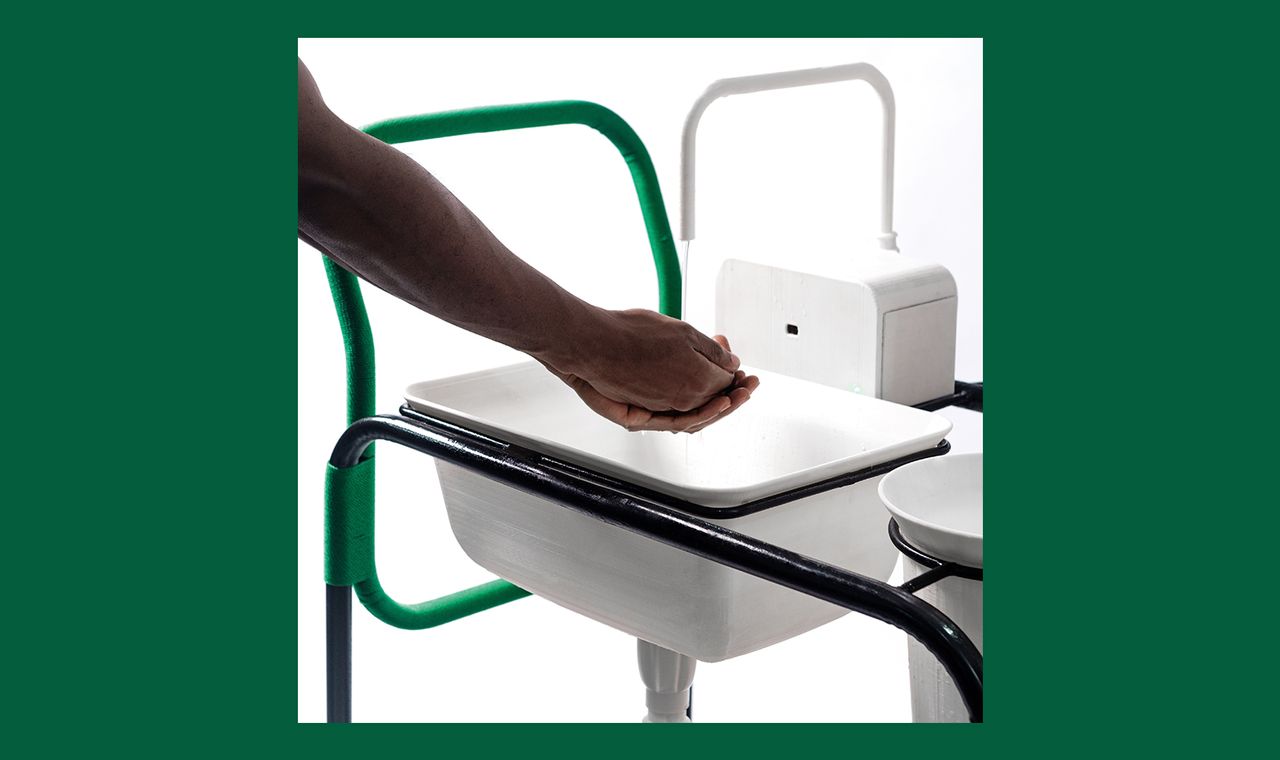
(383, 216)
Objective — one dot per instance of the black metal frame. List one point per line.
(938, 568)
(966, 396)
(688, 507)
(337, 604)
(673, 522)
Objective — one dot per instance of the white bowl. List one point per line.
(938, 505)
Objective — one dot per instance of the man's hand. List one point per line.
(658, 373)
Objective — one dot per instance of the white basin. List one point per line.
(938, 505)
(790, 434)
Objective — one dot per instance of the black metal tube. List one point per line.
(337, 603)
(708, 513)
(519, 468)
(966, 396)
(938, 569)
(927, 578)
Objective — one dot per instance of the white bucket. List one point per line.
(938, 506)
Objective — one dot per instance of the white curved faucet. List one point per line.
(783, 80)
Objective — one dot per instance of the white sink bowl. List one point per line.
(938, 505)
(791, 433)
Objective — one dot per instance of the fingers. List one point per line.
(739, 395)
(708, 379)
(723, 388)
(716, 351)
(680, 422)
(635, 418)
(713, 411)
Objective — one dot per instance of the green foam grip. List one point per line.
(348, 524)
(446, 609)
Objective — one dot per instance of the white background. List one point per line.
(777, 170)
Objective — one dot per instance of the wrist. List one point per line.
(580, 343)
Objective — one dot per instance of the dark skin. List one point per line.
(381, 215)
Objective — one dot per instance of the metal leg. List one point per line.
(338, 646)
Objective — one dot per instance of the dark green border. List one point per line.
(150, 282)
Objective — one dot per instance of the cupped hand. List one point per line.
(679, 409)
(651, 361)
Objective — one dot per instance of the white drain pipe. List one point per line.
(667, 676)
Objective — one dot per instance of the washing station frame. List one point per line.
(349, 486)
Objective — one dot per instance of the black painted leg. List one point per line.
(338, 651)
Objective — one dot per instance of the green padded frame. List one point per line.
(349, 492)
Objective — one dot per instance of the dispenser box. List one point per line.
(876, 323)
